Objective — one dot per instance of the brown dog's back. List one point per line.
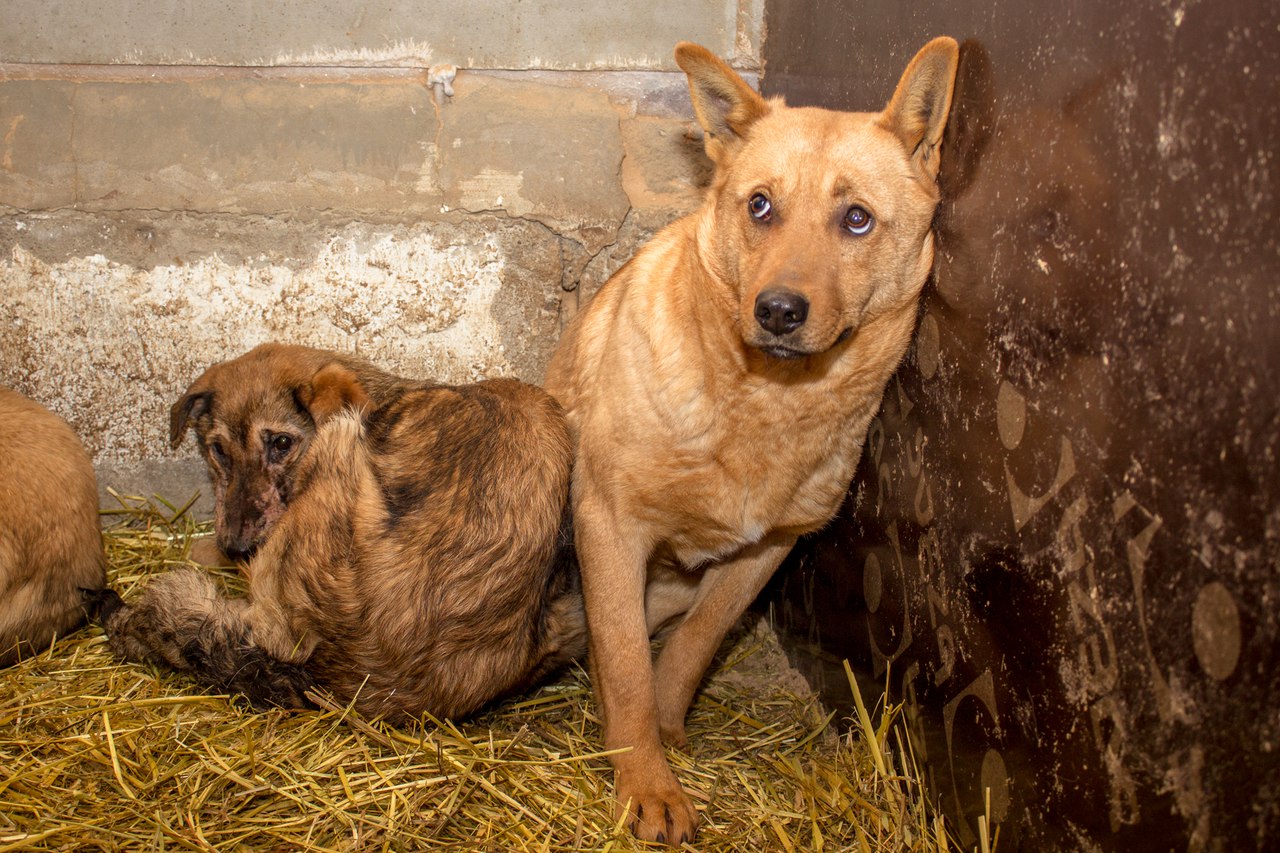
(50, 544)
(457, 498)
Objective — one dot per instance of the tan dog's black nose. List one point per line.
(781, 311)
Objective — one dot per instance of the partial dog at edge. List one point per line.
(50, 539)
(253, 430)
(424, 562)
(720, 386)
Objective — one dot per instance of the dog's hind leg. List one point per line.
(562, 637)
(724, 594)
(181, 621)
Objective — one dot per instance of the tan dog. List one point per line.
(423, 564)
(720, 386)
(50, 540)
(253, 430)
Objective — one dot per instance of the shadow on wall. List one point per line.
(1060, 546)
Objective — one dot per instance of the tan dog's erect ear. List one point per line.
(191, 405)
(917, 113)
(972, 119)
(725, 105)
(332, 389)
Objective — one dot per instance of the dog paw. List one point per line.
(100, 604)
(673, 734)
(660, 812)
(206, 552)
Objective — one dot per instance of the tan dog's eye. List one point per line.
(760, 206)
(857, 220)
(279, 446)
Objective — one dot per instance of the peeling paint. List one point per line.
(612, 63)
(403, 53)
(495, 190)
(399, 54)
(109, 346)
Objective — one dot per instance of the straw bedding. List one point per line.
(100, 756)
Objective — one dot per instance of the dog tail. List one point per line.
(181, 621)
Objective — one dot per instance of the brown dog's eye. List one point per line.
(857, 220)
(279, 446)
(219, 455)
(760, 206)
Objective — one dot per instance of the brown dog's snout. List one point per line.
(781, 311)
(246, 512)
(238, 542)
(239, 550)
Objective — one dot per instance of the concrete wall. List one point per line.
(569, 34)
(294, 178)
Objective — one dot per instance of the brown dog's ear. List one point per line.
(331, 390)
(191, 405)
(917, 112)
(725, 105)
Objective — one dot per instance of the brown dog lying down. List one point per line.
(721, 383)
(253, 430)
(423, 563)
(50, 541)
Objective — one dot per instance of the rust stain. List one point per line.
(9, 136)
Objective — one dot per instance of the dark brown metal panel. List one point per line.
(1062, 549)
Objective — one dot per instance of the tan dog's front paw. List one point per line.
(672, 734)
(659, 810)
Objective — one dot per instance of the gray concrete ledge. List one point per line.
(403, 33)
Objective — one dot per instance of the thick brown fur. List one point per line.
(423, 564)
(50, 542)
(720, 385)
(253, 425)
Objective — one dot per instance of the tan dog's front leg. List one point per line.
(727, 589)
(613, 582)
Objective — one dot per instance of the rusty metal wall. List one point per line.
(1062, 549)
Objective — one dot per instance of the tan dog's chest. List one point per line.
(707, 496)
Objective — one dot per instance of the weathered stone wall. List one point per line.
(155, 218)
